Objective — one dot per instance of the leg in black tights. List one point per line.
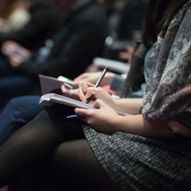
(35, 143)
(74, 167)
(32, 144)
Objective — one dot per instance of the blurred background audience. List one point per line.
(79, 39)
(13, 15)
(44, 21)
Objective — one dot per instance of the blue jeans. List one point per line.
(18, 112)
(12, 84)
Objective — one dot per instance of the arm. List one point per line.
(179, 129)
(100, 119)
(131, 106)
(71, 54)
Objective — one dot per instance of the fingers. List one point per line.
(177, 128)
(64, 89)
(83, 112)
(83, 87)
(81, 77)
(73, 93)
(98, 104)
(15, 60)
(82, 91)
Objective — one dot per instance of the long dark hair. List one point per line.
(170, 11)
(155, 13)
(159, 15)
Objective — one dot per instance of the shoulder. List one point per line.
(92, 12)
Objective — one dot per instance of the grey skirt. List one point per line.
(138, 163)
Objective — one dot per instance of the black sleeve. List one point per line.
(79, 48)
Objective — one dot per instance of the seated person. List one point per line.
(44, 21)
(14, 115)
(112, 151)
(13, 15)
(68, 53)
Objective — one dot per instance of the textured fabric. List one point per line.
(16, 114)
(142, 164)
(137, 163)
(168, 92)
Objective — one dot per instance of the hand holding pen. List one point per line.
(97, 84)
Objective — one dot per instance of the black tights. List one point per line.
(71, 163)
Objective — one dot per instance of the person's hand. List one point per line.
(127, 54)
(87, 90)
(16, 53)
(74, 93)
(103, 118)
(177, 128)
(93, 76)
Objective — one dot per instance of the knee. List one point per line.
(62, 155)
(14, 103)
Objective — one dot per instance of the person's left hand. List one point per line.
(103, 118)
(16, 53)
(177, 128)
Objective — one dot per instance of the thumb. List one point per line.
(81, 112)
(98, 104)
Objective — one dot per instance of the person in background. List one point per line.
(122, 152)
(21, 110)
(44, 21)
(13, 15)
(68, 53)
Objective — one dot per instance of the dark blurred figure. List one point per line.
(44, 22)
(80, 39)
(131, 19)
(13, 15)
(126, 23)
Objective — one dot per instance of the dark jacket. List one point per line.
(44, 23)
(80, 40)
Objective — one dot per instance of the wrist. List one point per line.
(117, 123)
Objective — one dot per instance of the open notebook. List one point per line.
(51, 84)
(52, 98)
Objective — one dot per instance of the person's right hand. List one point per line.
(178, 128)
(86, 91)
